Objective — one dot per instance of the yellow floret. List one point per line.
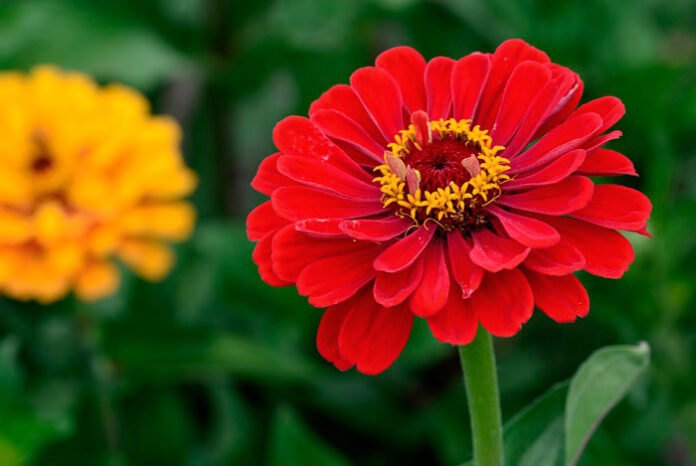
(88, 175)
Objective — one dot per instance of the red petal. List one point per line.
(262, 220)
(605, 162)
(358, 155)
(262, 258)
(438, 73)
(373, 336)
(296, 135)
(467, 274)
(299, 202)
(393, 288)
(503, 302)
(321, 227)
(268, 178)
(327, 335)
(526, 82)
(566, 102)
(381, 229)
(561, 298)
(644, 231)
(563, 138)
(554, 172)
(456, 323)
(335, 279)
(342, 98)
(293, 250)
(381, 97)
(320, 174)
(615, 206)
(406, 66)
(401, 254)
(599, 141)
(607, 253)
(534, 124)
(526, 230)
(560, 259)
(431, 294)
(494, 253)
(507, 56)
(609, 108)
(338, 126)
(571, 194)
(468, 79)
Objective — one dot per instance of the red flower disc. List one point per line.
(455, 191)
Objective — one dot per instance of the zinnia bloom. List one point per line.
(87, 175)
(455, 191)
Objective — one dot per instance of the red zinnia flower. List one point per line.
(456, 191)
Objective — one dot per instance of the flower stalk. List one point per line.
(478, 365)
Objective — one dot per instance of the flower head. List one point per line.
(453, 190)
(87, 175)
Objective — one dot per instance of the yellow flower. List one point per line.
(87, 175)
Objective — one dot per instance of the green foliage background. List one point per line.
(214, 367)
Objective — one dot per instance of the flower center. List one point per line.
(440, 163)
(46, 172)
(42, 160)
(442, 170)
(42, 163)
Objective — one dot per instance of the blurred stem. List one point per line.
(99, 371)
(478, 364)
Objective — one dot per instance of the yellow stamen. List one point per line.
(451, 201)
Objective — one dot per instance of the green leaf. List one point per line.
(230, 439)
(534, 437)
(22, 431)
(84, 38)
(293, 444)
(595, 388)
(311, 25)
(160, 427)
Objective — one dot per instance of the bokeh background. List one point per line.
(214, 367)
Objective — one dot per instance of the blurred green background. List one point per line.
(214, 367)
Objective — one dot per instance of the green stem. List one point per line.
(478, 364)
(100, 374)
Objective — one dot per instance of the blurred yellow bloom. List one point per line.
(87, 175)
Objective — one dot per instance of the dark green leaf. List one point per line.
(293, 444)
(10, 371)
(85, 39)
(534, 437)
(175, 353)
(22, 431)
